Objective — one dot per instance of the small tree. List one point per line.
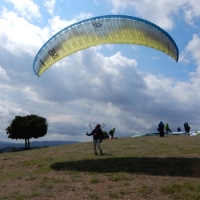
(26, 127)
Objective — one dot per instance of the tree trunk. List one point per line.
(28, 143)
(25, 143)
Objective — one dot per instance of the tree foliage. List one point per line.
(26, 127)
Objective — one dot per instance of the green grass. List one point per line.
(94, 180)
(132, 168)
(183, 191)
(17, 195)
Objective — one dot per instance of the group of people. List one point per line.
(98, 136)
(162, 127)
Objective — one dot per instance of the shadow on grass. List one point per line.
(173, 166)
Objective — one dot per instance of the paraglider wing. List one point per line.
(109, 29)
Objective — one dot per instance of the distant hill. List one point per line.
(10, 146)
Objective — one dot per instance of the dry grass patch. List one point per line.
(132, 168)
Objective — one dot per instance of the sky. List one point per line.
(129, 87)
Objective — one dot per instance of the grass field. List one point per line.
(148, 167)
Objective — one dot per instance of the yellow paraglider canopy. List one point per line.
(109, 29)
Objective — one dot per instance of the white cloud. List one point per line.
(31, 94)
(3, 74)
(19, 36)
(164, 90)
(70, 118)
(83, 16)
(191, 11)
(191, 51)
(49, 4)
(57, 24)
(193, 48)
(9, 108)
(183, 59)
(113, 63)
(152, 11)
(159, 12)
(26, 8)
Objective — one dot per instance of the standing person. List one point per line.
(112, 132)
(97, 138)
(161, 129)
(167, 129)
(186, 127)
(179, 129)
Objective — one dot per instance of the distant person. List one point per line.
(167, 129)
(112, 132)
(186, 127)
(179, 129)
(161, 129)
(97, 138)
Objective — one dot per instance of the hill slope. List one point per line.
(10, 146)
(146, 167)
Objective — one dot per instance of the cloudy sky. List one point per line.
(128, 87)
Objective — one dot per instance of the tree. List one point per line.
(26, 127)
